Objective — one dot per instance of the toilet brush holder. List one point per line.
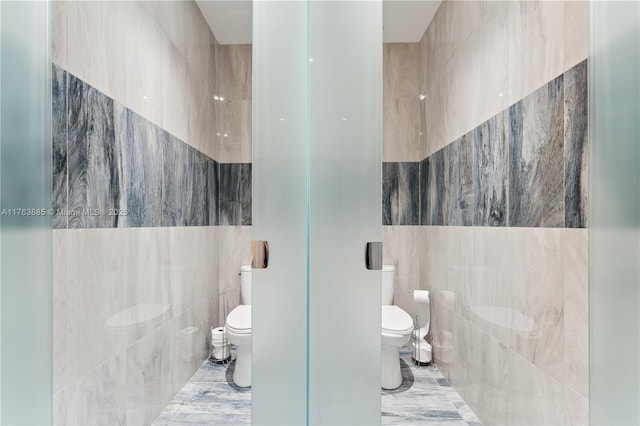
(220, 349)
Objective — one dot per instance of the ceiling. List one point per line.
(403, 21)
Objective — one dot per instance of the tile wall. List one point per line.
(504, 246)
(136, 124)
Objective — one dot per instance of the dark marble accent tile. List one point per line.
(104, 165)
(576, 147)
(230, 194)
(389, 191)
(459, 194)
(245, 186)
(92, 162)
(536, 152)
(409, 189)
(77, 151)
(199, 207)
(212, 194)
(141, 171)
(436, 187)
(424, 173)
(490, 172)
(177, 182)
(59, 147)
(401, 193)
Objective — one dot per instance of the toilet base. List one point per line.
(242, 371)
(391, 375)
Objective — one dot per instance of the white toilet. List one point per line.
(238, 330)
(397, 327)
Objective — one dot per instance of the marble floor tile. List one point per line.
(425, 398)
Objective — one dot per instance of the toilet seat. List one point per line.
(395, 320)
(239, 320)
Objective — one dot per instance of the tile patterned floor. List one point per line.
(425, 398)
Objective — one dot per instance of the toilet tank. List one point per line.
(387, 284)
(245, 284)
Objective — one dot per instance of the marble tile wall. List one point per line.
(507, 265)
(166, 76)
(233, 106)
(509, 319)
(473, 64)
(121, 360)
(402, 134)
(525, 166)
(110, 160)
(401, 193)
(135, 127)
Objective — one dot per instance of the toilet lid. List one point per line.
(395, 319)
(240, 318)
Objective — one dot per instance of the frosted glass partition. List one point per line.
(345, 211)
(614, 213)
(280, 137)
(25, 224)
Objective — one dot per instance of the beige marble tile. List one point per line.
(143, 59)
(96, 295)
(576, 32)
(576, 408)
(494, 61)
(235, 250)
(401, 245)
(135, 385)
(533, 397)
(156, 58)
(234, 71)
(576, 311)
(486, 394)
(535, 273)
(401, 129)
(111, 287)
(458, 265)
(437, 102)
(400, 70)
(175, 112)
(59, 27)
(464, 87)
(234, 140)
(486, 298)
(460, 20)
(86, 38)
(173, 17)
(536, 45)
(432, 264)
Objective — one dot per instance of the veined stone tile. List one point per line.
(141, 172)
(490, 172)
(210, 397)
(536, 196)
(59, 141)
(460, 183)
(245, 186)
(424, 173)
(389, 190)
(436, 187)
(177, 182)
(230, 193)
(576, 149)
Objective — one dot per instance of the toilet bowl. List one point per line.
(238, 330)
(397, 327)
